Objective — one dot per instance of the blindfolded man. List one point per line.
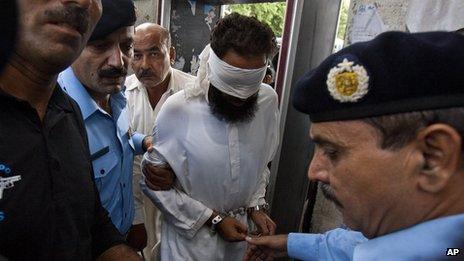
(218, 138)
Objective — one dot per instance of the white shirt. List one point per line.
(218, 165)
(142, 114)
(142, 119)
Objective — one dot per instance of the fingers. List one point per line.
(242, 228)
(249, 252)
(155, 187)
(269, 257)
(258, 241)
(262, 248)
(276, 242)
(158, 173)
(264, 223)
(147, 143)
(264, 241)
(271, 226)
(259, 254)
(240, 231)
(264, 229)
(158, 178)
(232, 230)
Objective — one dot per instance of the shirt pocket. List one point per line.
(104, 164)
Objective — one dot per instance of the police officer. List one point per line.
(49, 205)
(388, 123)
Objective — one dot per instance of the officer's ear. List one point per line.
(440, 145)
(172, 55)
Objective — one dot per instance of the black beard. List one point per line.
(222, 109)
(329, 194)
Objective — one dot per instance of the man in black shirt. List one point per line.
(49, 206)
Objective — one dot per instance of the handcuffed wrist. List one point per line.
(264, 208)
(216, 220)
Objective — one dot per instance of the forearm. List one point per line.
(119, 252)
(337, 244)
(184, 213)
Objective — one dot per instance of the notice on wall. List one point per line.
(367, 23)
(433, 15)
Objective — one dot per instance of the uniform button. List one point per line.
(102, 171)
(123, 185)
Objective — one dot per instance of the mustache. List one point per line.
(112, 72)
(329, 194)
(146, 73)
(73, 15)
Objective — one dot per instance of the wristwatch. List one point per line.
(216, 220)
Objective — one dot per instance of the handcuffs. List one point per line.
(264, 207)
(221, 216)
(216, 220)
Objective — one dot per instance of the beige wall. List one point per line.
(393, 14)
(147, 11)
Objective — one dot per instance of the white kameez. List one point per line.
(218, 166)
(142, 119)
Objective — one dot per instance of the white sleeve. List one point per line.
(260, 193)
(258, 197)
(183, 212)
(186, 214)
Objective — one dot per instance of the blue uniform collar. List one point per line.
(74, 88)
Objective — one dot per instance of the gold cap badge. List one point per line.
(347, 82)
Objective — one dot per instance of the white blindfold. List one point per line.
(240, 83)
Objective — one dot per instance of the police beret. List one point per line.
(116, 14)
(395, 72)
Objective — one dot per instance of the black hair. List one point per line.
(397, 130)
(245, 35)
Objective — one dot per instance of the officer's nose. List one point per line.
(115, 60)
(318, 169)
